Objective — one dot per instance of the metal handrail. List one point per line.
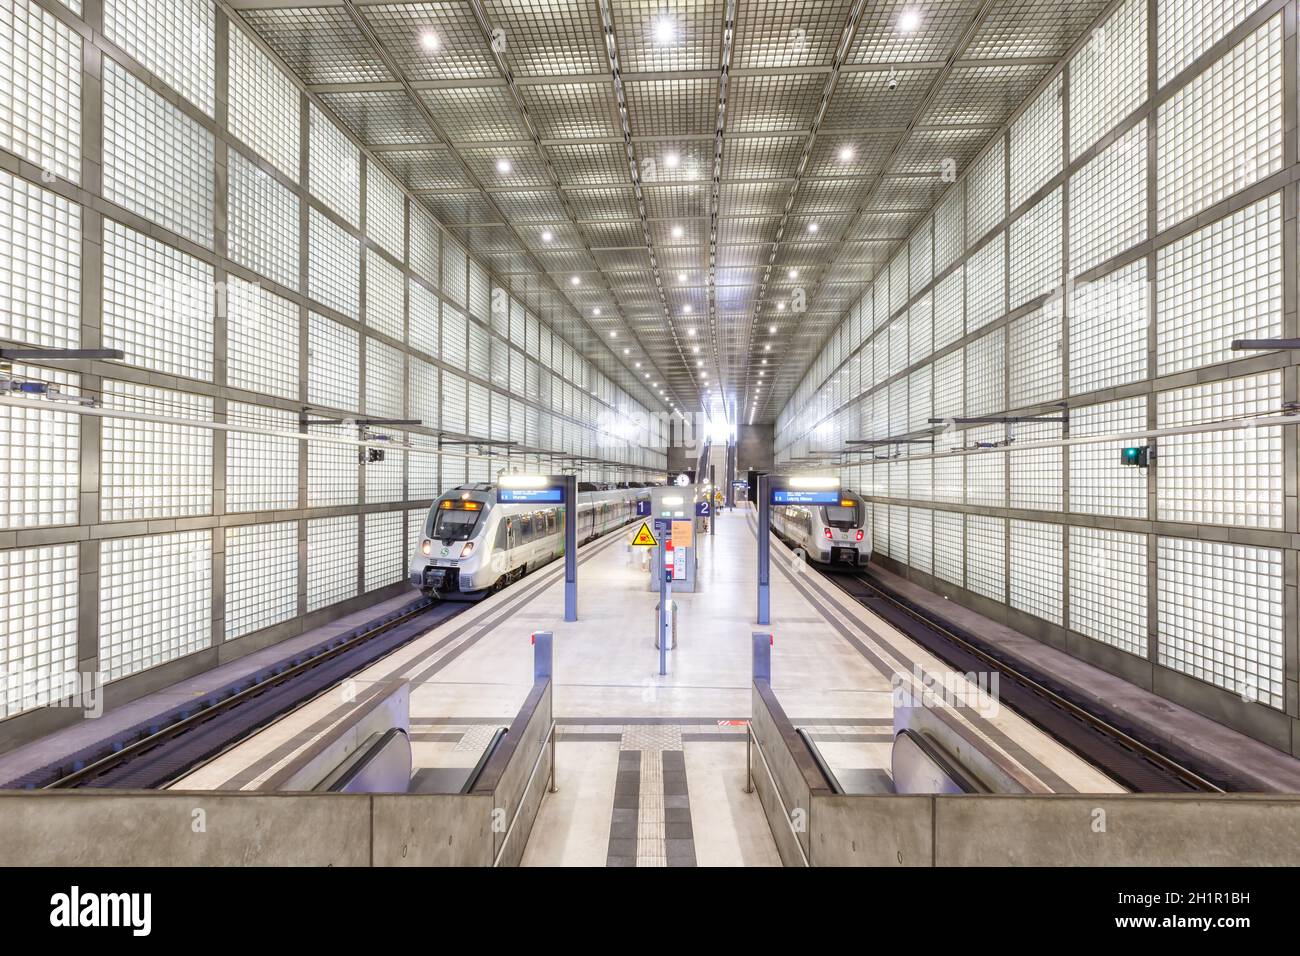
(822, 765)
(488, 751)
(946, 764)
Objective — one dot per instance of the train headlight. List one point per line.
(426, 547)
(466, 551)
(826, 533)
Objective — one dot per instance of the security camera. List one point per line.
(892, 82)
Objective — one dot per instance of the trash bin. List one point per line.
(672, 626)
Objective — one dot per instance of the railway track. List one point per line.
(152, 755)
(1103, 739)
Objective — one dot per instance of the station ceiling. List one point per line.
(679, 170)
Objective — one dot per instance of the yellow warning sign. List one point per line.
(644, 538)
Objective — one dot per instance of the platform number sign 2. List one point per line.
(702, 509)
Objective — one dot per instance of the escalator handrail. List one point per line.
(488, 751)
(943, 761)
(831, 780)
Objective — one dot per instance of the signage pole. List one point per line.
(664, 591)
(764, 549)
(713, 497)
(570, 547)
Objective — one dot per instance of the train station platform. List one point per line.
(652, 769)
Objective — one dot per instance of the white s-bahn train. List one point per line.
(473, 545)
(828, 534)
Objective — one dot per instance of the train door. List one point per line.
(541, 540)
(524, 531)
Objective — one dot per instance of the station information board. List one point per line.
(795, 496)
(531, 496)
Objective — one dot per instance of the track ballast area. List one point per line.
(156, 752)
(1101, 737)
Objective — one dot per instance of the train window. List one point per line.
(501, 535)
(550, 521)
(510, 532)
(525, 527)
(838, 516)
(455, 525)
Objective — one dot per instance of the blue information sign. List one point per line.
(793, 496)
(643, 508)
(530, 496)
(702, 508)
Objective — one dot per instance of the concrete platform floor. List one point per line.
(651, 769)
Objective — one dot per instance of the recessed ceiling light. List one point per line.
(503, 166)
(613, 334)
(910, 20)
(767, 348)
(654, 384)
(764, 361)
(695, 349)
(671, 160)
(429, 40)
(647, 374)
(627, 351)
(846, 154)
(681, 277)
(596, 310)
(575, 280)
(813, 227)
(638, 364)
(686, 310)
(547, 235)
(793, 273)
(772, 329)
(665, 30)
(780, 307)
(678, 232)
(699, 363)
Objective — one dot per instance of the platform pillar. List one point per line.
(764, 551)
(543, 641)
(570, 547)
(762, 655)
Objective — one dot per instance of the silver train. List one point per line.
(473, 545)
(828, 534)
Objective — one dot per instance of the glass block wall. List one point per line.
(168, 189)
(1095, 262)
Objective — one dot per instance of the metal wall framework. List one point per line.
(143, 565)
(1182, 577)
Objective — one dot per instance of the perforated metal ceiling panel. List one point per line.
(626, 173)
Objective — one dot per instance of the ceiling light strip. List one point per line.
(507, 74)
(381, 53)
(847, 34)
(621, 111)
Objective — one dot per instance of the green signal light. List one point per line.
(1136, 456)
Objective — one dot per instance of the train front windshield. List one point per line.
(841, 516)
(453, 524)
